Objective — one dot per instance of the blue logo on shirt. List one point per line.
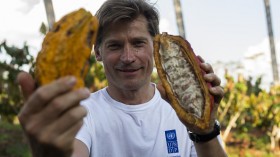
(171, 141)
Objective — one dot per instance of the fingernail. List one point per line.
(71, 81)
(85, 92)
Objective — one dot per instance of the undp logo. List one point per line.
(171, 135)
(171, 141)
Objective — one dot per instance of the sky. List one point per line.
(218, 30)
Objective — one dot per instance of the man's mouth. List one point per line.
(128, 70)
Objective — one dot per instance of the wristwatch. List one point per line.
(206, 137)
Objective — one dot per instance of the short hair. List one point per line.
(113, 11)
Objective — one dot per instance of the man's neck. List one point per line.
(132, 97)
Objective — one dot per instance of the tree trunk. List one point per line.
(230, 125)
(227, 106)
(271, 41)
(50, 13)
(274, 137)
(179, 18)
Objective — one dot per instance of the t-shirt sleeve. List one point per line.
(193, 151)
(84, 136)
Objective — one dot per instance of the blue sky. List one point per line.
(218, 30)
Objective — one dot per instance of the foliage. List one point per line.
(95, 78)
(10, 97)
(251, 111)
(258, 107)
(43, 28)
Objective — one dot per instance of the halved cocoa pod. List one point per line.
(66, 48)
(181, 76)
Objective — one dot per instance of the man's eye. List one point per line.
(139, 43)
(113, 46)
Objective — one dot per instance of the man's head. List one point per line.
(116, 11)
(125, 45)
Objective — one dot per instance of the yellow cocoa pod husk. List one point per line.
(66, 48)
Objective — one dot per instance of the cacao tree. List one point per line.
(247, 108)
(10, 97)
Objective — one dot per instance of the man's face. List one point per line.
(127, 54)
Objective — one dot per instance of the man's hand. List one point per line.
(215, 90)
(51, 115)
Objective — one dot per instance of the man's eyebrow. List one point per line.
(111, 41)
(133, 39)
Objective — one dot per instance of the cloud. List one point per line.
(256, 62)
(262, 50)
(27, 5)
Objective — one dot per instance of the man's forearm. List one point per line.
(210, 148)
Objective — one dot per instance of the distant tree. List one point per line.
(247, 108)
(10, 97)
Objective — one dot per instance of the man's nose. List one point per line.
(128, 54)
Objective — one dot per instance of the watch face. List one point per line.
(217, 124)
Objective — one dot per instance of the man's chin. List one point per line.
(132, 85)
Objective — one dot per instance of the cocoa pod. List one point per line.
(180, 73)
(66, 48)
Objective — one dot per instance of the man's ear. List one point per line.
(97, 54)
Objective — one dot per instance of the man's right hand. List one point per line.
(51, 115)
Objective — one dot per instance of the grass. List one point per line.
(12, 141)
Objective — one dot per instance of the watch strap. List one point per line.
(205, 137)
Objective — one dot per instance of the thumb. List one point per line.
(27, 84)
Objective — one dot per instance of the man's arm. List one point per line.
(80, 149)
(210, 148)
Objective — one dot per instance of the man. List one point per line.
(126, 119)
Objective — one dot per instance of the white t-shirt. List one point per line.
(152, 129)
